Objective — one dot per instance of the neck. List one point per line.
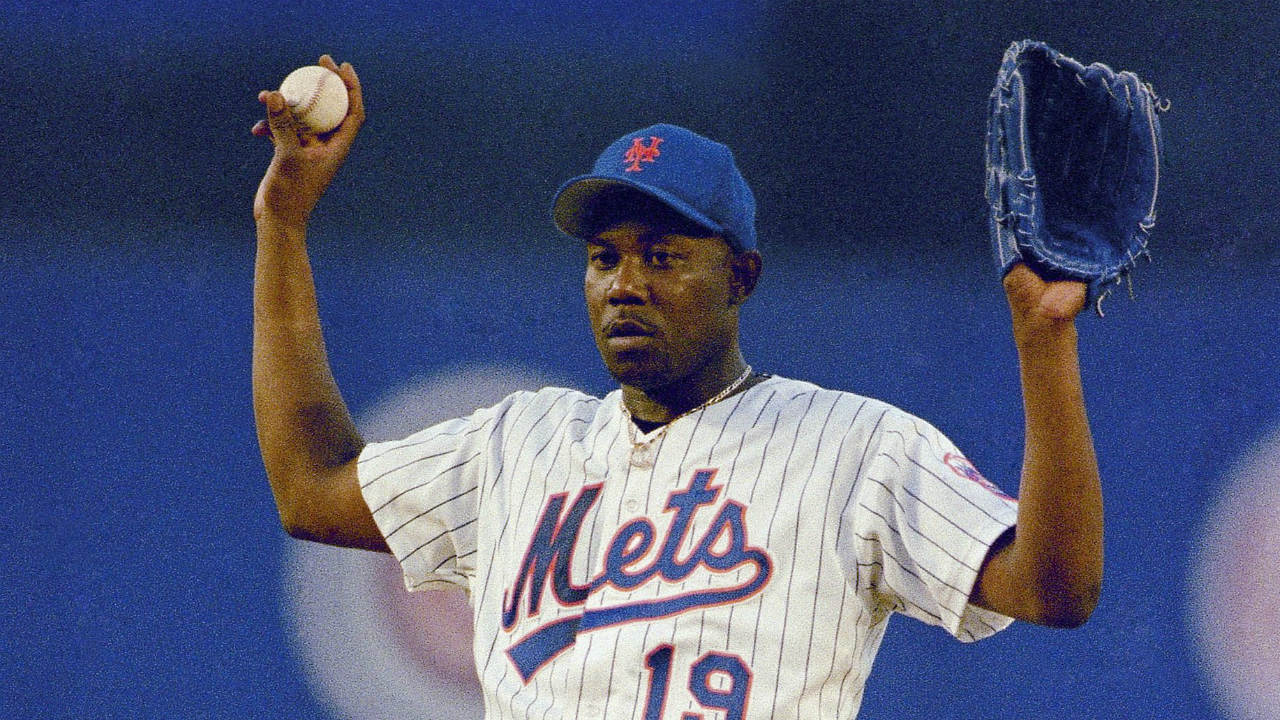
(663, 404)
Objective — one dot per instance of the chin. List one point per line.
(639, 370)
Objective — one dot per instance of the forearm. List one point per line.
(1058, 545)
(304, 428)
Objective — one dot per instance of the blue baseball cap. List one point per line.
(692, 175)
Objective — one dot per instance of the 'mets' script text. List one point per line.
(722, 548)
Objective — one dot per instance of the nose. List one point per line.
(629, 283)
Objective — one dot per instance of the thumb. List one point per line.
(284, 130)
(1029, 293)
(1063, 300)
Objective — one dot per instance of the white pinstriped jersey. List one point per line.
(743, 564)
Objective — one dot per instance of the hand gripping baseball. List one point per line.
(304, 163)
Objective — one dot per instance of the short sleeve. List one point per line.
(925, 520)
(424, 494)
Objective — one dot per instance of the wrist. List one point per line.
(282, 203)
(1032, 334)
(280, 219)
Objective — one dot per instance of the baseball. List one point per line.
(317, 97)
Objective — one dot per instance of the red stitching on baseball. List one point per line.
(300, 111)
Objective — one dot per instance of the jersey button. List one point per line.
(631, 505)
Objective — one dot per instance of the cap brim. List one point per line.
(575, 209)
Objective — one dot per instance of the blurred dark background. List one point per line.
(143, 561)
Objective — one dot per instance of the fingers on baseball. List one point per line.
(355, 97)
(355, 100)
(262, 128)
(280, 124)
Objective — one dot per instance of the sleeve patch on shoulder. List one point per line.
(961, 466)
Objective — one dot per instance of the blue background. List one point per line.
(142, 558)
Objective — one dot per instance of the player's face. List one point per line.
(661, 303)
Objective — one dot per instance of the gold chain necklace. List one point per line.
(637, 443)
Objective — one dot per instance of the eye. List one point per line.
(659, 258)
(602, 257)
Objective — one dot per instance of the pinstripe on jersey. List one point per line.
(743, 564)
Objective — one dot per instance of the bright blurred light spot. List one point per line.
(372, 650)
(1235, 588)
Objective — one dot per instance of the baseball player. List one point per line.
(707, 541)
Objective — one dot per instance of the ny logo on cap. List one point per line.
(639, 153)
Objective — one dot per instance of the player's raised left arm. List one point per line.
(1050, 572)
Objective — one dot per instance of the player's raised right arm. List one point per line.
(308, 440)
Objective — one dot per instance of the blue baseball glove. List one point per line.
(1073, 167)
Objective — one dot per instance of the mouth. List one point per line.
(629, 335)
(628, 328)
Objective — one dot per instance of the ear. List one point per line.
(746, 267)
